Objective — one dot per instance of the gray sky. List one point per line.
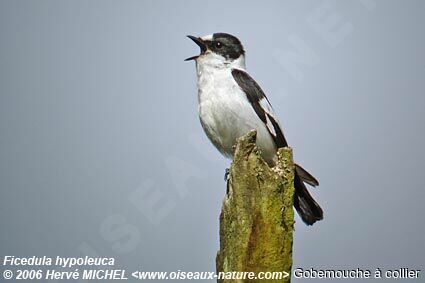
(101, 150)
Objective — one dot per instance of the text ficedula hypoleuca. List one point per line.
(231, 104)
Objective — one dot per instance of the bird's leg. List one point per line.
(226, 174)
(226, 179)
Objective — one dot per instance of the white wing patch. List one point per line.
(269, 112)
(266, 106)
(270, 126)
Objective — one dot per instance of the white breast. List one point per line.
(226, 113)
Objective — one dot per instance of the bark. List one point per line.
(257, 217)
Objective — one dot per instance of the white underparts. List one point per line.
(224, 110)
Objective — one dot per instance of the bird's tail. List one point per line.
(308, 209)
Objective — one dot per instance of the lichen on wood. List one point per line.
(257, 217)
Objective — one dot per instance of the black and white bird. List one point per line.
(231, 104)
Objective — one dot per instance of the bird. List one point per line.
(231, 103)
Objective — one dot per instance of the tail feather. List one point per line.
(308, 209)
(305, 176)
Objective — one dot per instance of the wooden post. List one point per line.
(257, 217)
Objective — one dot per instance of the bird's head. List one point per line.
(218, 49)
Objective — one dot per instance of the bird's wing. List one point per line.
(261, 105)
(265, 112)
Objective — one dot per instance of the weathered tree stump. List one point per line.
(257, 217)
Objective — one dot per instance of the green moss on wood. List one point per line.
(257, 218)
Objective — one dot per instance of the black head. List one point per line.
(223, 44)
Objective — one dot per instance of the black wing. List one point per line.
(304, 203)
(261, 105)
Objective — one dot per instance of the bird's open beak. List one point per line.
(201, 45)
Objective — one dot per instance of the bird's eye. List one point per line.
(218, 44)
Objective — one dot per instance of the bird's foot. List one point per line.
(226, 174)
